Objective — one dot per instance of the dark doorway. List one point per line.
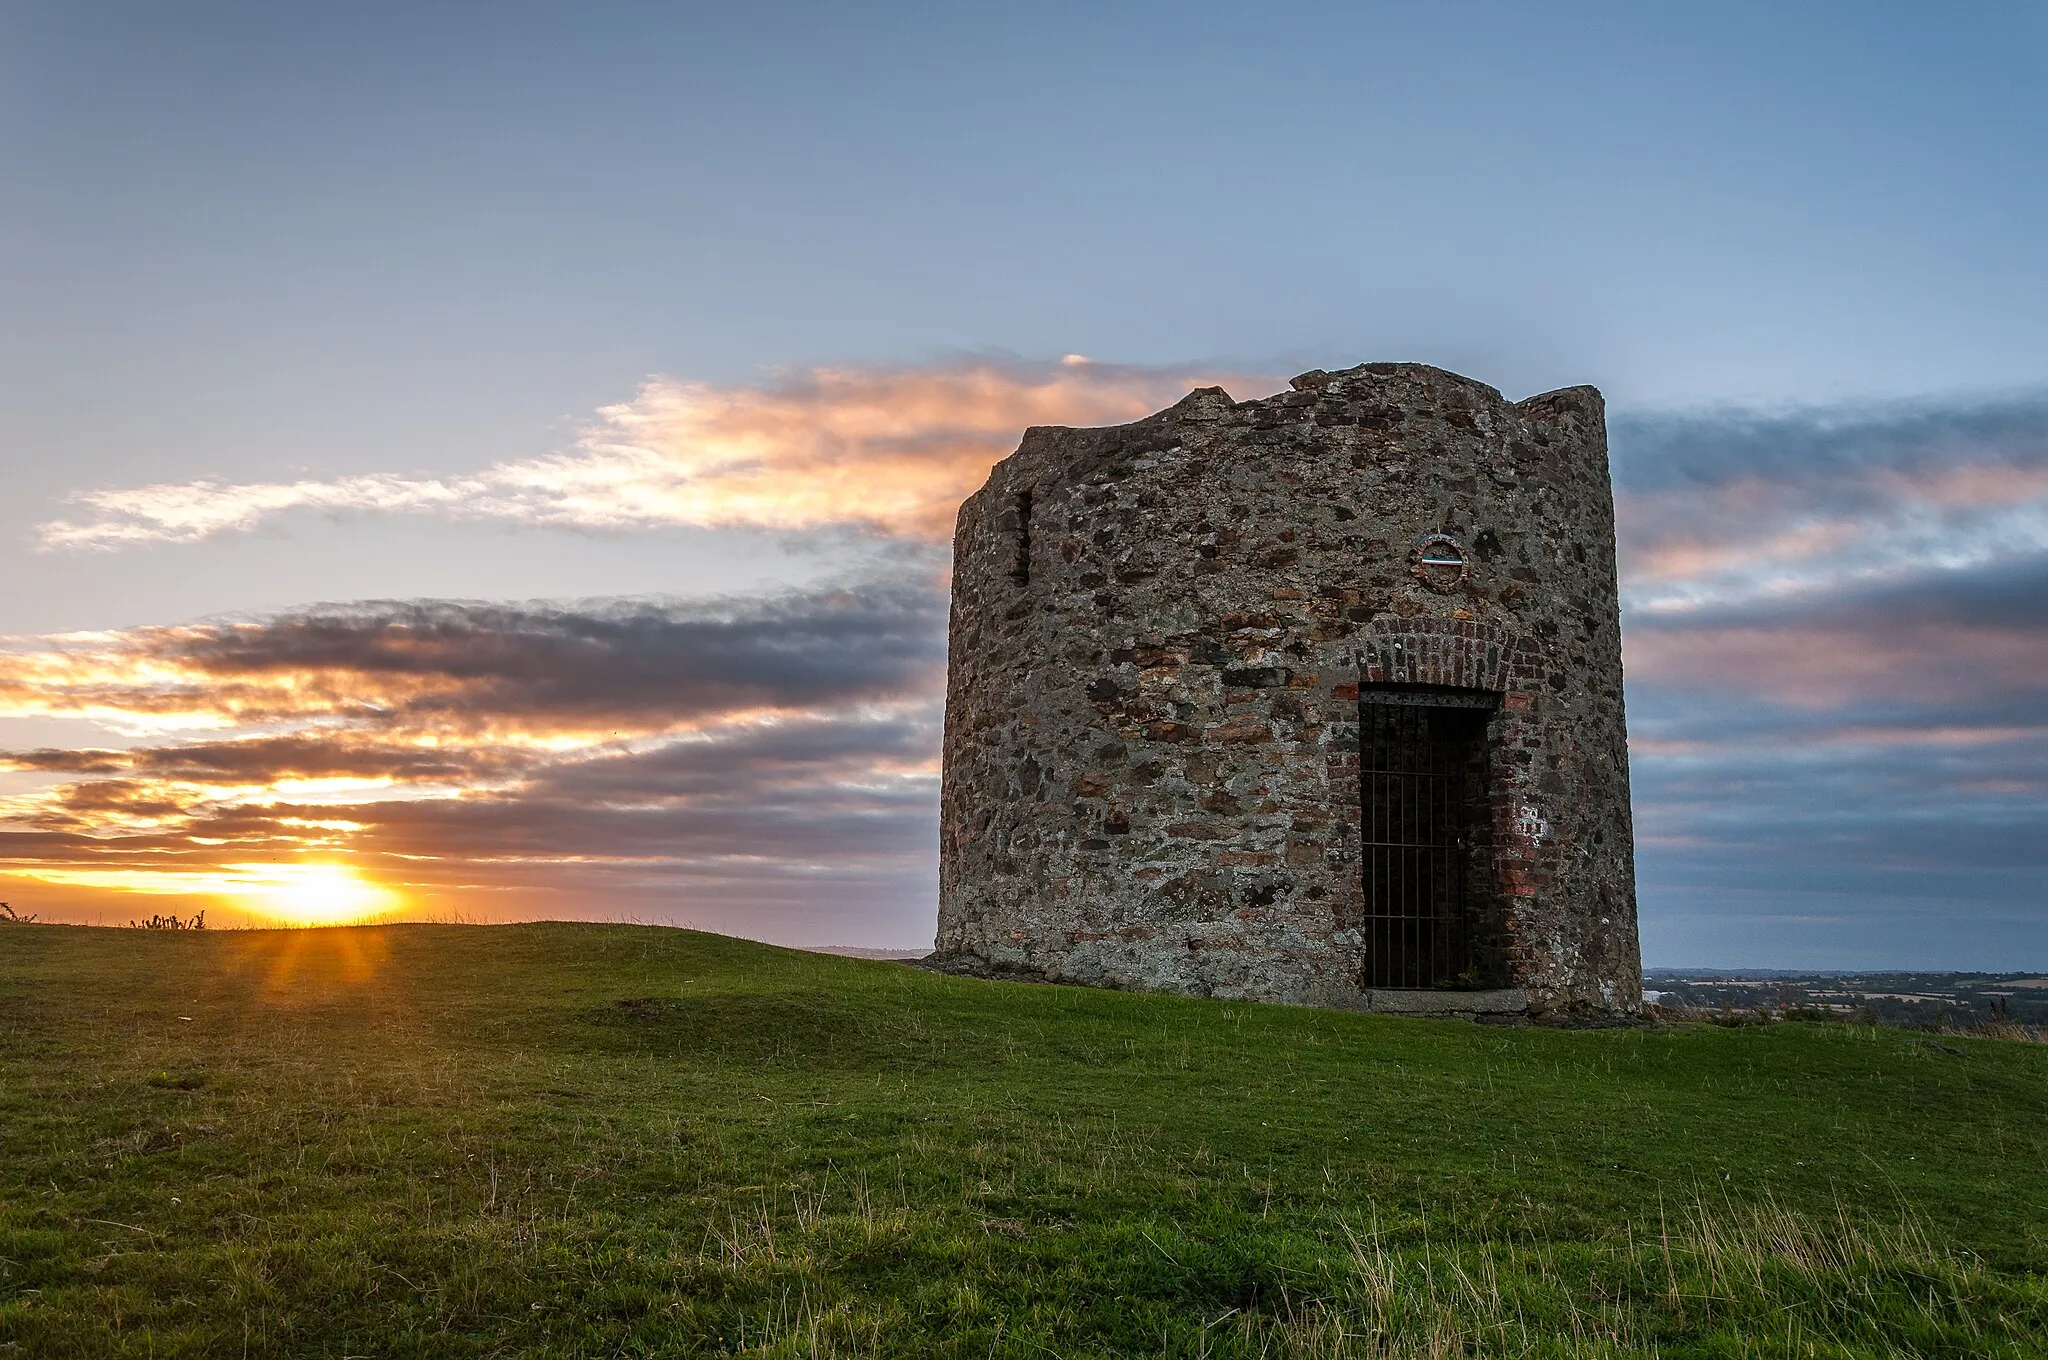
(1428, 861)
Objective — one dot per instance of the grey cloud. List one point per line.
(1938, 649)
(1730, 507)
(449, 664)
(2010, 595)
(1663, 452)
(263, 759)
(1788, 837)
(602, 658)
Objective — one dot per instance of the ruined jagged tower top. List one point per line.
(1315, 698)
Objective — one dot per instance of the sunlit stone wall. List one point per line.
(1159, 636)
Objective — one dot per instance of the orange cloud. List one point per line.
(888, 449)
(1685, 557)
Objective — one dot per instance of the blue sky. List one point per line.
(1799, 248)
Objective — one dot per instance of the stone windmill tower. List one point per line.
(1315, 699)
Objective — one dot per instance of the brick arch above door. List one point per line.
(1456, 653)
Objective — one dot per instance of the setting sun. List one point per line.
(313, 894)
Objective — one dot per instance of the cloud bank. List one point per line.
(1728, 507)
(758, 759)
(1837, 641)
(894, 450)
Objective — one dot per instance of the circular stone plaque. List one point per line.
(1439, 562)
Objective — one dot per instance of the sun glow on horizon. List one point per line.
(313, 894)
(302, 893)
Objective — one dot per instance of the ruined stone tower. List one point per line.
(1314, 699)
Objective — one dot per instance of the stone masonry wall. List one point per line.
(1159, 636)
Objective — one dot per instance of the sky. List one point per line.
(476, 462)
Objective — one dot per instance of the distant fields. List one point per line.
(608, 1140)
(1909, 1000)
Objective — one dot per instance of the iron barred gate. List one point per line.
(1423, 782)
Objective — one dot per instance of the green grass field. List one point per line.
(614, 1140)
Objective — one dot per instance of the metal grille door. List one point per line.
(1420, 768)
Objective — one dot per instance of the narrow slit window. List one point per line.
(1020, 539)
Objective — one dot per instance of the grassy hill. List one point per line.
(610, 1140)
